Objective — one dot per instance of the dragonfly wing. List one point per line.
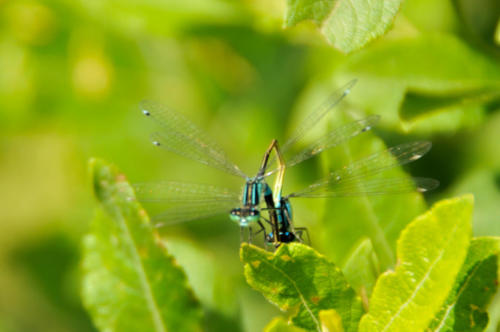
(332, 139)
(167, 191)
(369, 166)
(314, 117)
(181, 202)
(197, 210)
(372, 187)
(181, 136)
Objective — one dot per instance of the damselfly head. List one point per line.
(244, 216)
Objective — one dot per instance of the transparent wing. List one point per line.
(181, 136)
(314, 117)
(182, 202)
(332, 139)
(371, 187)
(195, 211)
(368, 166)
(167, 191)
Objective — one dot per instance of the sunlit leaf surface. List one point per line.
(298, 279)
(431, 251)
(347, 25)
(331, 321)
(279, 324)
(130, 281)
(476, 284)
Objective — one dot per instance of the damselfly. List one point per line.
(355, 179)
(195, 201)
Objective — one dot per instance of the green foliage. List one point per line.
(475, 285)
(130, 281)
(347, 25)
(330, 321)
(279, 324)
(415, 89)
(362, 269)
(379, 218)
(441, 283)
(431, 251)
(298, 279)
(73, 72)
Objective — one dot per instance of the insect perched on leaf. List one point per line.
(197, 201)
(355, 179)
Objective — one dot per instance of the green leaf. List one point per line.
(130, 281)
(330, 321)
(362, 270)
(347, 25)
(476, 284)
(298, 279)
(399, 79)
(279, 324)
(431, 251)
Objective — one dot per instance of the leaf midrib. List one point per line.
(452, 305)
(425, 277)
(150, 298)
(302, 298)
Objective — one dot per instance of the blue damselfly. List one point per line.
(196, 201)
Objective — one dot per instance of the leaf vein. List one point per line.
(152, 304)
(304, 302)
(420, 284)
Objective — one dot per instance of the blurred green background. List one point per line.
(73, 72)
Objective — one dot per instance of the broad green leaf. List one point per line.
(431, 251)
(476, 284)
(362, 269)
(347, 25)
(400, 80)
(130, 281)
(298, 279)
(330, 321)
(279, 324)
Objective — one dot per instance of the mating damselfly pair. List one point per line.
(258, 206)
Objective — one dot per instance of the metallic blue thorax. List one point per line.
(253, 191)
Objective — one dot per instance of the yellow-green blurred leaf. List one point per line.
(130, 281)
(431, 251)
(330, 321)
(279, 324)
(362, 269)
